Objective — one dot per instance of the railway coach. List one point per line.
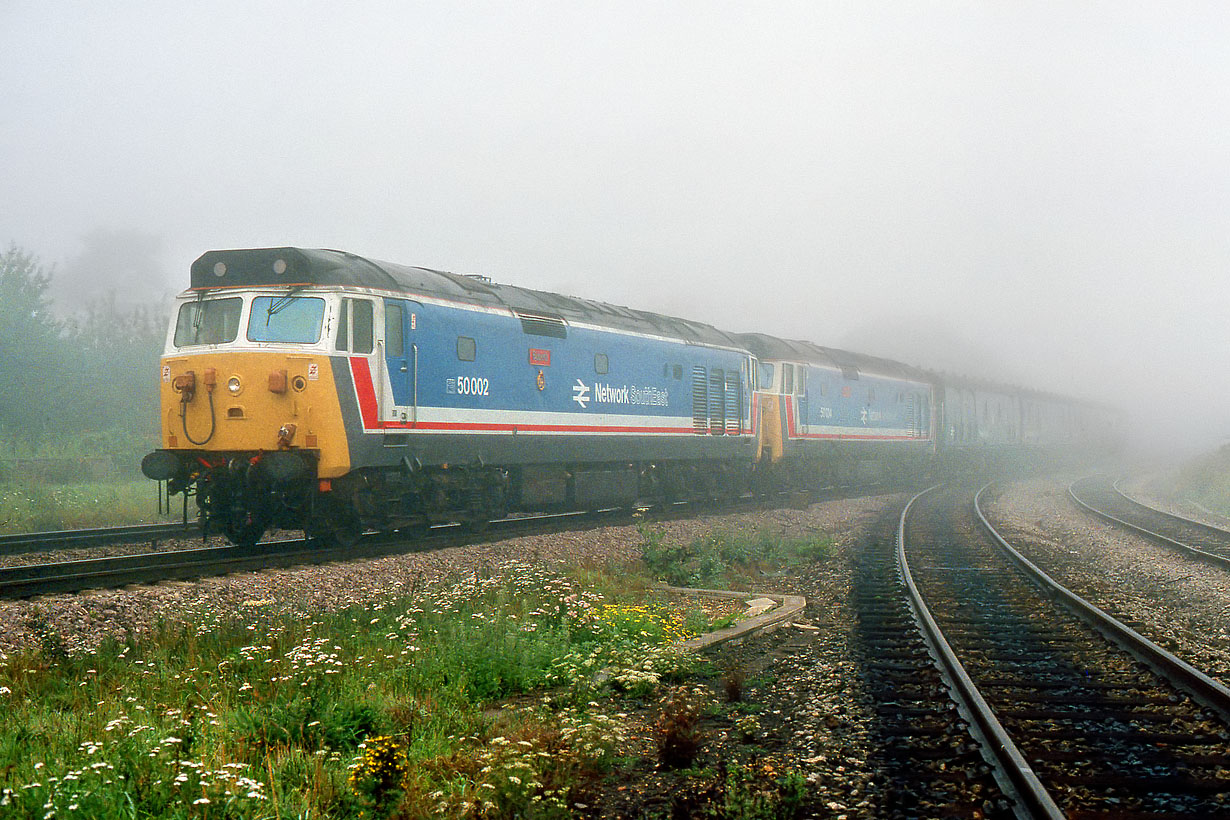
(319, 390)
(829, 415)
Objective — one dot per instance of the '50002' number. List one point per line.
(472, 386)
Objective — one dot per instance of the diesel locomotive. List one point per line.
(327, 392)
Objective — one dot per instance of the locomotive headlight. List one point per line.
(233, 386)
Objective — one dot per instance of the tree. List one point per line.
(116, 349)
(32, 356)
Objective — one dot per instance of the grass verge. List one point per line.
(385, 710)
(493, 695)
(38, 507)
(1207, 481)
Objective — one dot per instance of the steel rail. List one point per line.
(115, 571)
(1188, 550)
(17, 543)
(1201, 687)
(1012, 770)
(1187, 522)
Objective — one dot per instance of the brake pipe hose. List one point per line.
(213, 421)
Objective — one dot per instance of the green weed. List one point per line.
(725, 560)
(382, 709)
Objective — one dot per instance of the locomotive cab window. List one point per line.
(766, 376)
(394, 343)
(354, 326)
(208, 322)
(467, 349)
(287, 319)
(787, 378)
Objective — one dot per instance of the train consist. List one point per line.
(322, 391)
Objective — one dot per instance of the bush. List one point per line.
(724, 560)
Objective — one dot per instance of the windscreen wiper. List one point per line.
(282, 302)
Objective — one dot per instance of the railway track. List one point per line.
(1078, 724)
(95, 573)
(1195, 539)
(25, 542)
(116, 571)
(932, 766)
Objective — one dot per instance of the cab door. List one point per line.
(401, 360)
(356, 340)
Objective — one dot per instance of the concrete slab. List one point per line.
(783, 608)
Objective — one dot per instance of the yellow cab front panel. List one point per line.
(228, 401)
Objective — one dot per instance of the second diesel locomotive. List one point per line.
(319, 390)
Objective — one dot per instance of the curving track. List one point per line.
(1077, 725)
(932, 766)
(1196, 539)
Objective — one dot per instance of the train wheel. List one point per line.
(334, 523)
(244, 533)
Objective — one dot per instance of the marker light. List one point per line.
(279, 266)
(233, 385)
(220, 269)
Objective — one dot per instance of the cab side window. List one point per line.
(394, 343)
(355, 326)
(361, 326)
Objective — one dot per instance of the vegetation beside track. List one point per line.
(1206, 481)
(42, 506)
(79, 405)
(493, 695)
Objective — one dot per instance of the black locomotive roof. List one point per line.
(266, 267)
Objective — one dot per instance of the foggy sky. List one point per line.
(1036, 188)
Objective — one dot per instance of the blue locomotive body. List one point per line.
(461, 383)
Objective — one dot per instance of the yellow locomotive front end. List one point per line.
(253, 401)
(250, 419)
